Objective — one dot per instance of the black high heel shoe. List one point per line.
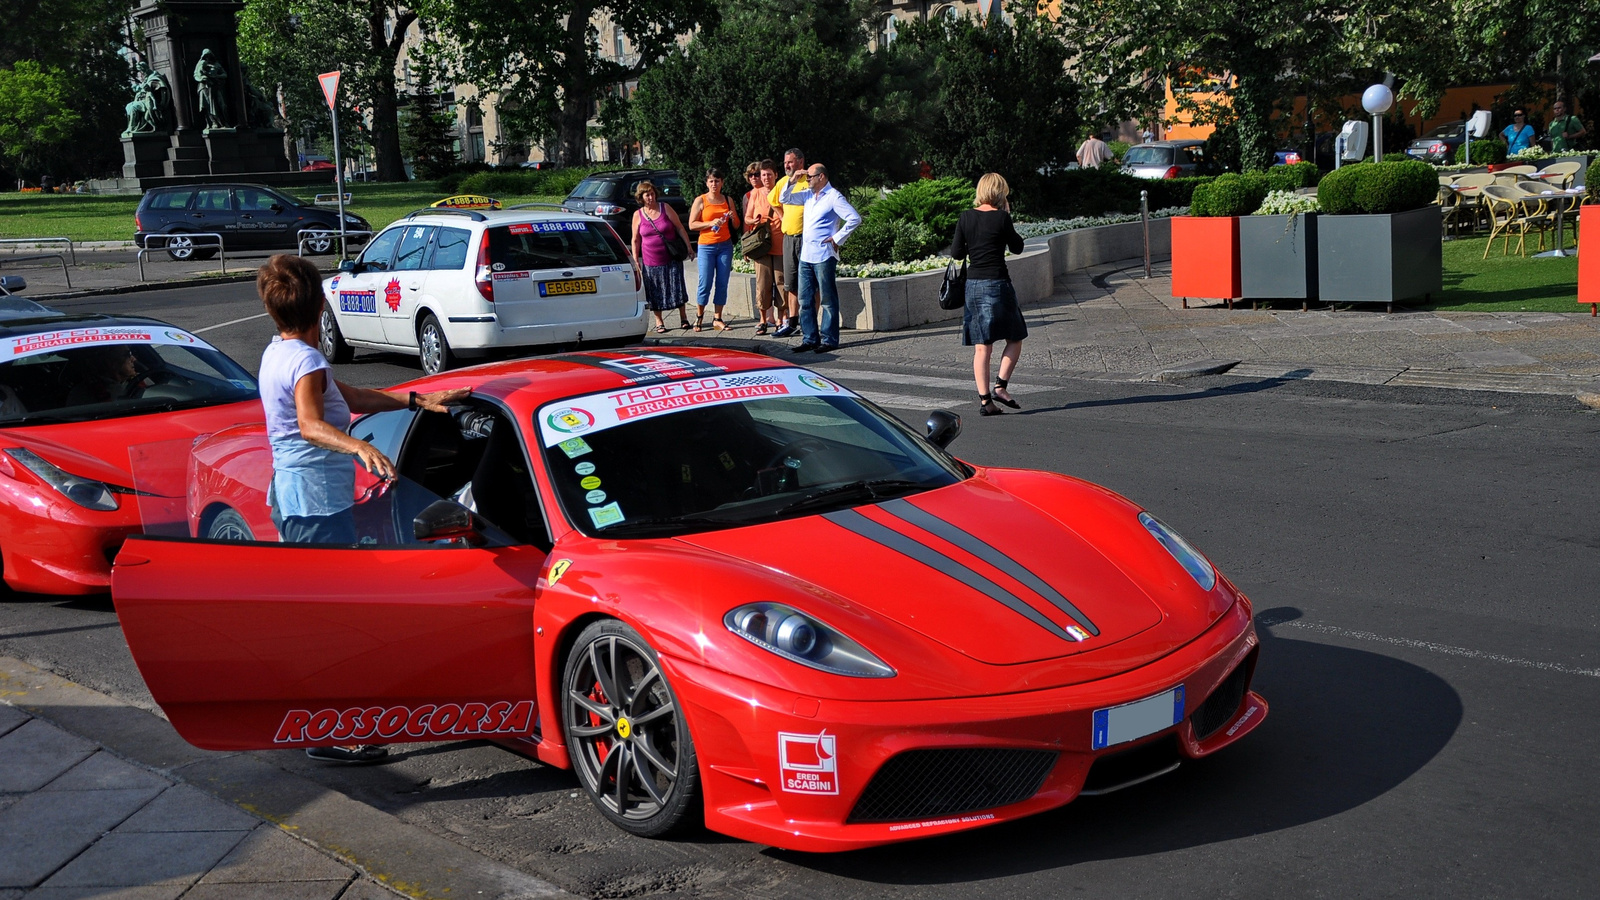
(1000, 383)
(986, 406)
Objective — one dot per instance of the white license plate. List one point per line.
(1131, 721)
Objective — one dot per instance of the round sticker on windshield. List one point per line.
(180, 337)
(570, 420)
(584, 468)
(819, 384)
(595, 498)
(590, 483)
(498, 267)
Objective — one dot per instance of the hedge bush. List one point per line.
(1375, 188)
(521, 182)
(1484, 153)
(934, 202)
(1229, 195)
(1292, 178)
(1168, 192)
(1592, 182)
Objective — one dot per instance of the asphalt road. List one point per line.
(1427, 559)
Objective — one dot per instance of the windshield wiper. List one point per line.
(38, 420)
(875, 489)
(634, 527)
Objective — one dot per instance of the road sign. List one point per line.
(330, 86)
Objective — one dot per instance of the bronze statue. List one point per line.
(212, 79)
(259, 109)
(150, 110)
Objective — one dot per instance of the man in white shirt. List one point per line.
(1092, 152)
(829, 219)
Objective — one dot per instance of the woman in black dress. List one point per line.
(983, 235)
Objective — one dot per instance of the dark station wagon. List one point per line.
(248, 216)
(609, 195)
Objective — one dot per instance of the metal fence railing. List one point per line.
(166, 243)
(55, 256)
(72, 248)
(321, 240)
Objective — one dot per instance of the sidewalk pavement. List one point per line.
(102, 799)
(1110, 323)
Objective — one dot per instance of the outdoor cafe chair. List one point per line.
(1469, 188)
(1517, 170)
(1509, 215)
(1560, 175)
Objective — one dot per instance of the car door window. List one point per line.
(384, 430)
(413, 247)
(379, 255)
(172, 200)
(212, 200)
(450, 248)
(252, 200)
(668, 185)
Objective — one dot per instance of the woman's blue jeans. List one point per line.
(714, 262)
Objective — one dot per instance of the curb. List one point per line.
(407, 859)
(143, 286)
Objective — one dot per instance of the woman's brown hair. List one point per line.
(291, 289)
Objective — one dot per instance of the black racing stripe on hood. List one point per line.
(855, 522)
(906, 511)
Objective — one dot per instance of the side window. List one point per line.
(450, 248)
(413, 246)
(670, 185)
(172, 200)
(252, 200)
(384, 430)
(379, 254)
(214, 200)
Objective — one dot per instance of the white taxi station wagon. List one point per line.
(453, 283)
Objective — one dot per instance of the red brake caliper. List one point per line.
(602, 749)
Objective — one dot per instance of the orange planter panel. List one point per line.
(1589, 256)
(1205, 257)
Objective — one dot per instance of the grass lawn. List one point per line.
(1508, 283)
(87, 217)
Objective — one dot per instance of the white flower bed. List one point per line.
(1286, 203)
(1026, 229)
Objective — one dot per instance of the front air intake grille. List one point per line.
(926, 784)
(1219, 708)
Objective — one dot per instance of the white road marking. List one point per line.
(1431, 647)
(229, 322)
(908, 401)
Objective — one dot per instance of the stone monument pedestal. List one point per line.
(186, 155)
(143, 155)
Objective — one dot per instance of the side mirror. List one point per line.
(276, 207)
(444, 520)
(10, 284)
(943, 427)
(351, 267)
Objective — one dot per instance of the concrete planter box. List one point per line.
(1379, 258)
(1589, 262)
(1278, 257)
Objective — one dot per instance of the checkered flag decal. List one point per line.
(748, 380)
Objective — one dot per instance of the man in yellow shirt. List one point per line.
(794, 167)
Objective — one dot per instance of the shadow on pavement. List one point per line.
(1346, 726)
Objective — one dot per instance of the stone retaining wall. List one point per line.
(889, 304)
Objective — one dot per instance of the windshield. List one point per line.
(79, 374)
(545, 245)
(1449, 129)
(683, 456)
(1148, 156)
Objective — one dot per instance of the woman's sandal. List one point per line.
(986, 406)
(1000, 385)
(761, 329)
(661, 329)
(718, 324)
(700, 322)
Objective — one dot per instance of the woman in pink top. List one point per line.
(654, 224)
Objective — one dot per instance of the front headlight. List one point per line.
(82, 491)
(1187, 556)
(796, 636)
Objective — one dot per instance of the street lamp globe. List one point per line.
(1377, 99)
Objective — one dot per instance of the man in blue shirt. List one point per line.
(1519, 134)
(829, 219)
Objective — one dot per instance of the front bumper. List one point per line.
(750, 793)
(53, 546)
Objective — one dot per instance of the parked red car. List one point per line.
(708, 582)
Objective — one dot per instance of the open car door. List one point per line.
(254, 644)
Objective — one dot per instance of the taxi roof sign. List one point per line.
(467, 201)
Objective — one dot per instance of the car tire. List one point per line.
(658, 790)
(229, 525)
(433, 348)
(331, 343)
(181, 247)
(320, 243)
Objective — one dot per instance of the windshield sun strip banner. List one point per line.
(23, 345)
(648, 367)
(564, 420)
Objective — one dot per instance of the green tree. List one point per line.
(36, 114)
(290, 42)
(774, 76)
(426, 132)
(81, 45)
(549, 63)
(999, 98)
